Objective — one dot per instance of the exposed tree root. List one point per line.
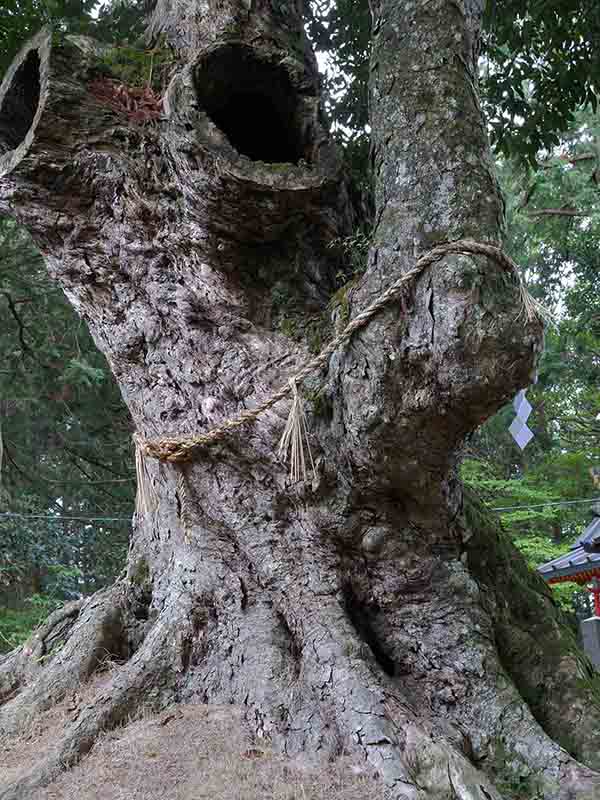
(64, 652)
(23, 663)
(437, 641)
(343, 679)
(147, 679)
(312, 682)
(395, 665)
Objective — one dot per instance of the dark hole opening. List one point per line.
(20, 103)
(253, 103)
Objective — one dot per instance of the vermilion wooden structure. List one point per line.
(581, 564)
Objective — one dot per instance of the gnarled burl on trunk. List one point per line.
(374, 610)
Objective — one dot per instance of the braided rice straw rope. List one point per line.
(184, 449)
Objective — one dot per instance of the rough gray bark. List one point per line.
(356, 612)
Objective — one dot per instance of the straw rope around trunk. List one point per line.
(184, 449)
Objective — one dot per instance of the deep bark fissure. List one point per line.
(293, 646)
(361, 618)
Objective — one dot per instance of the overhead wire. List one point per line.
(13, 514)
(63, 519)
(549, 503)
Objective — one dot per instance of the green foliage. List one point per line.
(116, 22)
(540, 530)
(540, 64)
(342, 30)
(79, 371)
(542, 59)
(354, 249)
(17, 624)
(66, 437)
(553, 232)
(288, 326)
(137, 66)
(120, 22)
(20, 19)
(554, 478)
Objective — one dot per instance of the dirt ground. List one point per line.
(188, 752)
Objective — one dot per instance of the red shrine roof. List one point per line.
(582, 562)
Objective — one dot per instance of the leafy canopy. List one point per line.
(540, 63)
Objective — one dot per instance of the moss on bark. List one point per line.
(536, 644)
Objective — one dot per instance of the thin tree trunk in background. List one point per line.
(363, 611)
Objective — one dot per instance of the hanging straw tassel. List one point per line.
(146, 499)
(186, 448)
(294, 437)
(531, 308)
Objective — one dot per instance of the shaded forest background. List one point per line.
(67, 488)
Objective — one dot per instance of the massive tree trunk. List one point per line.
(362, 610)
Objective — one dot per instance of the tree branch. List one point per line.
(559, 212)
(101, 488)
(28, 478)
(88, 459)
(20, 324)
